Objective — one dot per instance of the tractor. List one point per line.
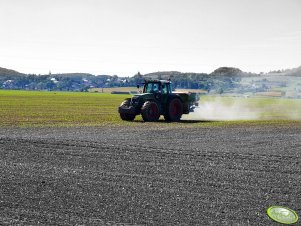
(158, 99)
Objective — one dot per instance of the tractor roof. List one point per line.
(157, 81)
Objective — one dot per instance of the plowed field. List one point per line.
(148, 175)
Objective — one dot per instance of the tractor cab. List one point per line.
(158, 90)
(157, 86)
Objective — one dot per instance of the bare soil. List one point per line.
(145, 175)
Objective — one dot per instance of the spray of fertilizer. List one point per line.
(217, 109)
(240, 108)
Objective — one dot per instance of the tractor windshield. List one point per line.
(151, 88)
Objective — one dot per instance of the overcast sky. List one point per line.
(126, 36)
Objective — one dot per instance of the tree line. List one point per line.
(222, 79)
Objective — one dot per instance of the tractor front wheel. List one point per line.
(150, 111)
(125, 116)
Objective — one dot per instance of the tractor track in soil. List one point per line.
(148, 175)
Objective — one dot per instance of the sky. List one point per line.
(123, 37)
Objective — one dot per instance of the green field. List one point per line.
(27, 108)
(35, 108)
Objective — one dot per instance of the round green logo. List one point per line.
(282, 214)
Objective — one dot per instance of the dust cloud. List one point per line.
(219, 109)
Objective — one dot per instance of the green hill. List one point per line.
(224, 71)
(8, 72)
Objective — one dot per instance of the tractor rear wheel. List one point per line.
(150, 111)
(125, 116)
(174, 110)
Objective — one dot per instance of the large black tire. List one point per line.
(125, 116)
(150, 111)
(174, 110)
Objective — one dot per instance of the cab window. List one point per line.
(164, 88)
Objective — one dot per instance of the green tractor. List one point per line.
(158, 99)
